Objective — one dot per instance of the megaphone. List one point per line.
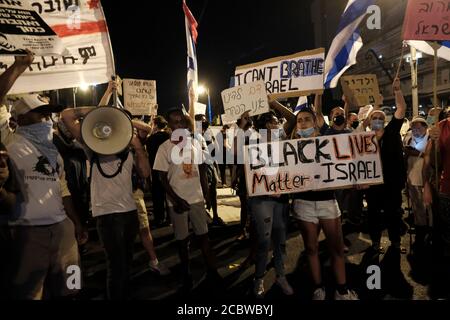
(107, 130)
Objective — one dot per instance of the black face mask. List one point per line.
(355, 124)
(339, 120)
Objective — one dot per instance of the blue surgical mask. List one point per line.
(431, 120)
(377, 124)
(305, 133)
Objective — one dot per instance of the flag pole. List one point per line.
(414, 87)
(435, 105)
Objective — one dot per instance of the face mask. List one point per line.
(339, 120)
(305, 133)
(431, 120)
(355, 124)
(377, 124)
(416, 134)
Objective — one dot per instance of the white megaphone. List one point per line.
(107, 130)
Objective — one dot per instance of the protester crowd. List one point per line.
(52, 185)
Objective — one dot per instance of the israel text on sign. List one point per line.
(427, 20)
(320, 163)
(295, 75)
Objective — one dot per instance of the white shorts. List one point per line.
(196, 215)
(313, 211)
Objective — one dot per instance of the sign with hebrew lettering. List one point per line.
(81, 26)
(299, 74)
(320, 163)
(22, 28)
(361, 90)
(248, 97)
(199, 108)
(140, 96)
(427, 20)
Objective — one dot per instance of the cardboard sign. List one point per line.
(200, 108)
(427, 20)
(299, 74)
(140, 96)
(248, 97)
(361, 90)
(320, 163)
(22, 28)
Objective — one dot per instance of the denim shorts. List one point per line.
(313, 211)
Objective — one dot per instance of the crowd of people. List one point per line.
(52, 185)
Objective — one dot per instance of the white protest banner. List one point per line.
(361, 89)
(140, 96)
(248, 97)
(199, 108)
(320, 163)
(299, 74)
(81, 25)
(22, 28)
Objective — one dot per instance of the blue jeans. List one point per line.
(117, 232)
(270, 219)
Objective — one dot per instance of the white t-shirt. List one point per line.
(184, 178)
(114, 195)
(41, 187)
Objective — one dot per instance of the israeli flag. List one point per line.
(302, 102)
(346, 43)
(425, 47)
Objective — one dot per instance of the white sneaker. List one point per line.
(350, 295)
(285, 286)
(258, 288)
(319, 294)
(158, 267)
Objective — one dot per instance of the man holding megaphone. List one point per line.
(109, 136)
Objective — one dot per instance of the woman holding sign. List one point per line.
(269, 215)
(319, 210)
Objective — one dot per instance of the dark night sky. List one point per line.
(149, 40)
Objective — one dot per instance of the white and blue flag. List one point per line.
(346, 43)
(443, 51)
(302, 102)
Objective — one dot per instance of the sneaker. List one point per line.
(350, 295)
(319, 294)
(285, 286)
(258, 288)
(159, 268)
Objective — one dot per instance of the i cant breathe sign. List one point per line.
(320, 163)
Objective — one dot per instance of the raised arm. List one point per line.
(286, 113)
(9, 77)
(400, 103)
(70, 117)
(112, 85)
(318, 110)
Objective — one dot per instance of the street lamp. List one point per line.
(202, 90)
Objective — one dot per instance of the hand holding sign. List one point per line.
(25, 61)
(250, 97)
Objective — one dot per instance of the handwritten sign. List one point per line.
(248, 97)
(199, 108)
(140, 96)
(22, 28)
(361, 89)
(295, 75)
(427, 20)
(328, 162)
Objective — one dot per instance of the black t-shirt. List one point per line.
(391, 147)
(153, 144)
